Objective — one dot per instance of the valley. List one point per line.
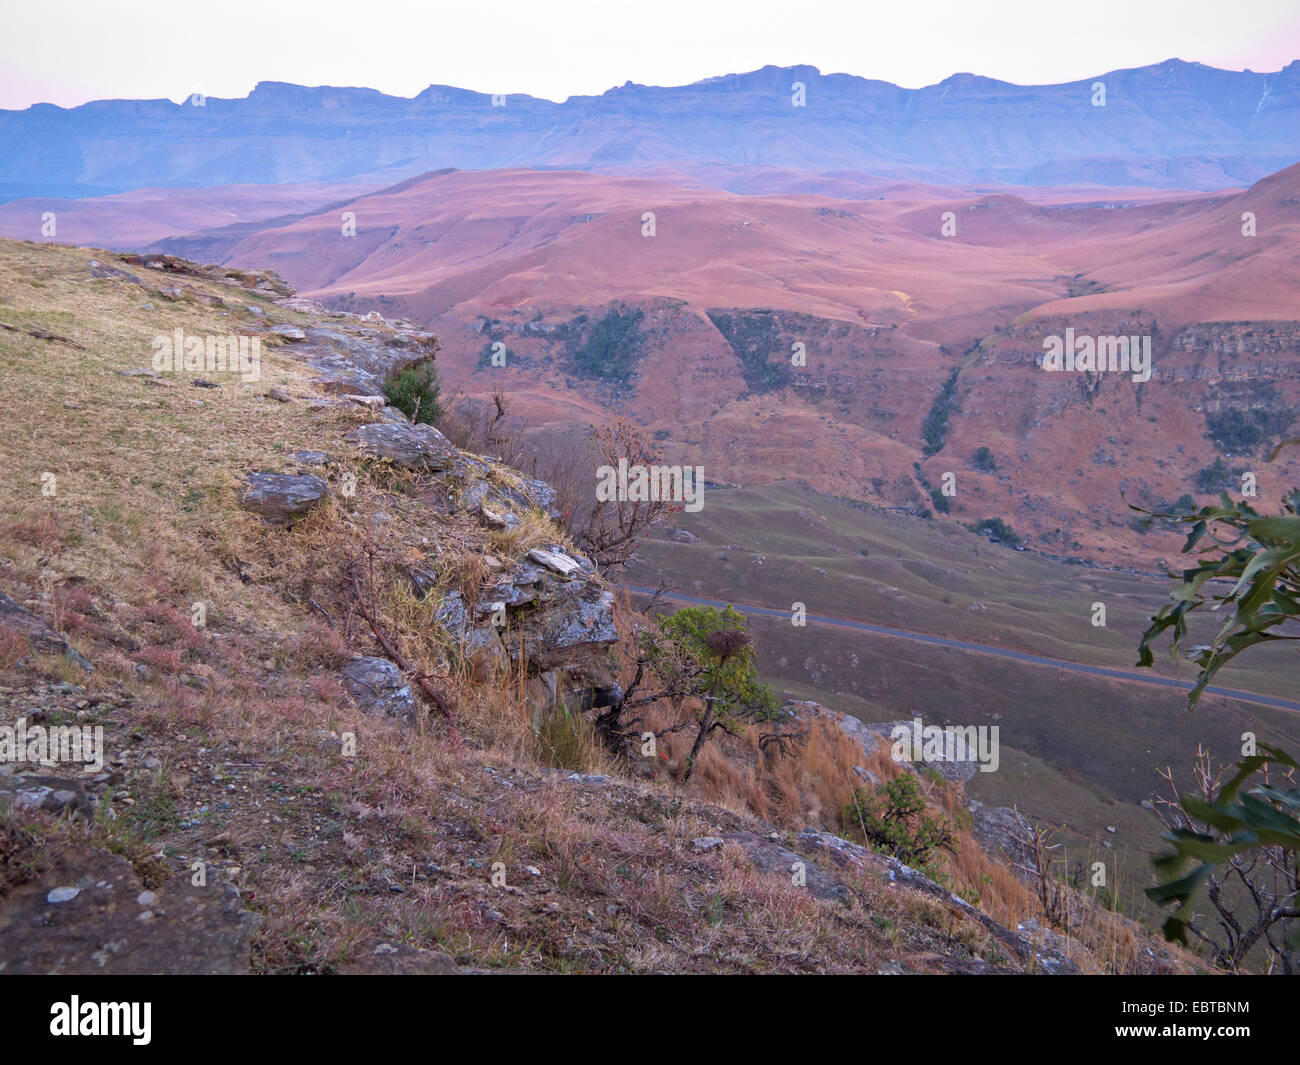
(1080, 752)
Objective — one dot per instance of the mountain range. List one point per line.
(1170, 125)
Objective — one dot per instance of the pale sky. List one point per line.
(71, 51)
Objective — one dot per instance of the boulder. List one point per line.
(283, 498)
(954, 769)
(506, 520)
(568, 626)
(290, 333)
(350, 382)
(379, 687)
(477, 643)
(413, 447)
(528, 492)
(558, 561)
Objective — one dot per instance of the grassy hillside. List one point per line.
(361, 843)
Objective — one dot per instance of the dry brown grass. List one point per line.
(247, 709)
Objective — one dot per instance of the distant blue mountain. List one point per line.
(1174, 124)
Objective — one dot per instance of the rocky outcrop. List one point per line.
(486, 491)
(549, 615)
(556, 613)
(100, 270)
(845, 854)
(355, 355)
(870, 736)
(283, 498)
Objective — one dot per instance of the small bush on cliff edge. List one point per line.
(893, 821)
(415, 392)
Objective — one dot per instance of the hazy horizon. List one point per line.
(55, 54)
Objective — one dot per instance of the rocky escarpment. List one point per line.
(546, 612)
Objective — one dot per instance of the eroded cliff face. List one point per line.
(870, 412)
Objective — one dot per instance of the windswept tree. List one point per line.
(701, 662)
(1247, 827)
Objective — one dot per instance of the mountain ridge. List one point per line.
(1170, 125)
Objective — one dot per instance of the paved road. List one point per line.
(978, 648)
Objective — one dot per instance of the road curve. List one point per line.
(978, 648)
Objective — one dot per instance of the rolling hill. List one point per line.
(920, 348)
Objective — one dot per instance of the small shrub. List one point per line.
(893, 820)
(415, 392)
(998, 530)
(1215, 478)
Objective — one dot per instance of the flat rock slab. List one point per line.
(770, 856)
(555, 560)
(283, 498)
(100, 270)
(413, 447)
(90, 914)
